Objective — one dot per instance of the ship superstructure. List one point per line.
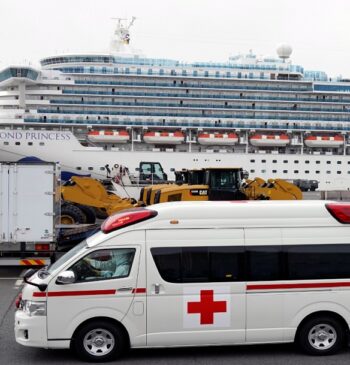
(271, 117)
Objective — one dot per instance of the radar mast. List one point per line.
(121, 36)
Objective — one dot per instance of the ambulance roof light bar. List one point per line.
(126, 218)
(340, 211)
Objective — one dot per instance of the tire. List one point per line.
(100, 214)
(89, 213)
(72, 214)
(100, 341)
(322, 335)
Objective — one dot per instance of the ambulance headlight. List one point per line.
(34, 308)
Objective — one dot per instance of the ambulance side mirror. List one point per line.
(66, 277)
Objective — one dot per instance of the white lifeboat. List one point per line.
(121, 136)
(218, 139)
(164, 137)
(324, 141)
(269, 140)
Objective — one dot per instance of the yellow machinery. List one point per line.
(86, 192)
(219, 184)
(272, 189)
(83, 195)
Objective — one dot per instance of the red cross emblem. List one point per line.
(206, 307)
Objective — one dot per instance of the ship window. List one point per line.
(338, 172)
(296, 161)
(90, 168)
(328, 172)
(348, 162)
(339, 162)
(102, 168)
(317, 171)
(274, 171)
(252, 171)
(348, 172)
(285, 171)
(274, 161)
(252, 161)
(307, 171)
(263, 171)
(318, 162)
(263, 161)
(41, 144)
(78, 168)
(328, 162)
(17, 143)
(30, 143)
(6, 143)
(307, 161)
(296, 171)
(285, 161)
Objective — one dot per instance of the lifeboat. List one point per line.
(273, 140)
(121, 136)
(164, 137)
(324, 141)
(216, 139)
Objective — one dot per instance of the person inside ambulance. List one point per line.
(104, 264)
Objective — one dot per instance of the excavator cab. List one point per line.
(224, 184)
(151, 173)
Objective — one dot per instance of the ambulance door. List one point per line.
(195, 289)
(106, 285)
(265, 296)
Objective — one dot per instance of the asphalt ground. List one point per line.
(13, 354)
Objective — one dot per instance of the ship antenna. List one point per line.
(121, 34)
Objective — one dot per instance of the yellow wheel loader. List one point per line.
(85, 193)
(219, 184)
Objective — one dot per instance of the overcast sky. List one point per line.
(188, 30)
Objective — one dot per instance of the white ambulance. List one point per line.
(198, 274)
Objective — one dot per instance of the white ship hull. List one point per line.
(63, 147)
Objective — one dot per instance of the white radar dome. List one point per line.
(284, 51)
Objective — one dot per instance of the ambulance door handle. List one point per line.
(124, 289)
(156, 288)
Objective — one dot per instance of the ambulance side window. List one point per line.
(264, 263)
(199, 264)
(104, 264)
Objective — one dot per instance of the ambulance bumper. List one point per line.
(31, 331)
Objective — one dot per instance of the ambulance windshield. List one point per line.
(67, 256)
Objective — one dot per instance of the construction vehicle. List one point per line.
(219, 184)
(85, 197)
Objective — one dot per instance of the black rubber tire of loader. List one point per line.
(89, 213)
(72, 211)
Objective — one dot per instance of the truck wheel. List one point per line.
(70, 214)
(100, 341)
(89, 213)
(321, 336)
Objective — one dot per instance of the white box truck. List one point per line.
(29, 205)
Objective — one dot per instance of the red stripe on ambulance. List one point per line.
(338, 284)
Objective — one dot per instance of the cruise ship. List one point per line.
(96, 112)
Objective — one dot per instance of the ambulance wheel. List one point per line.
(322, 336)
(100, 341)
